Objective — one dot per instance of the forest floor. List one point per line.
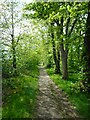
(51, 101)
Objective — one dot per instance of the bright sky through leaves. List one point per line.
(27, 1)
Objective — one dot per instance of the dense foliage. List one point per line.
(53, 34)
(66, 24)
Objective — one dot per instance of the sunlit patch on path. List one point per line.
(51, 101)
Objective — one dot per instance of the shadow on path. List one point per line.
(51, 101)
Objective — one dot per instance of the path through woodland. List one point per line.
(51, 101)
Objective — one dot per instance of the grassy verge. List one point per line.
(77, 98)
(19, 95)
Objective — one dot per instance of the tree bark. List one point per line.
(64, 62)
(64, 51)
(57, 62)
(64, 54)
(58, 45)
(58, 58)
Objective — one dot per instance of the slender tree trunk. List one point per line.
(58, 45)
(14, 56)
(13, 44)
(57, 68)
(58, 58)
(87, 48)
(71, 55)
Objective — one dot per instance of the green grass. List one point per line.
(77, 98)
(19, 95)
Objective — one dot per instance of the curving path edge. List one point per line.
(51, 101)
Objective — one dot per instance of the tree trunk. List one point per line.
(58, 45)
(64, 55)
(14, 56)
(13, 45)
(58, 58)
(57, 64)
(87, 48)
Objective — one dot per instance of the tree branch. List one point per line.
(72, 27)
(68, 21)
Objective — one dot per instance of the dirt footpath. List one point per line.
(51, 101)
